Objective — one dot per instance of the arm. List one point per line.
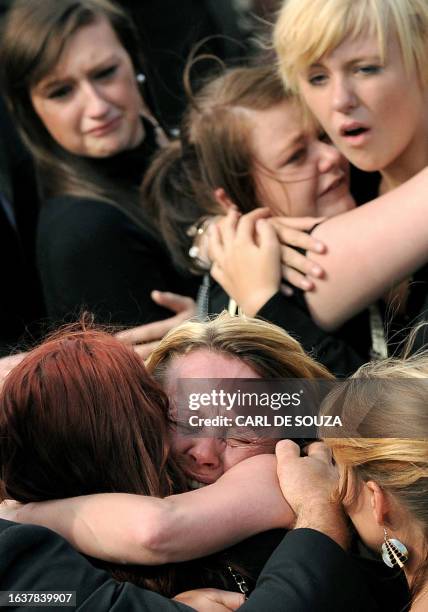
(371, 249)
(138, 529)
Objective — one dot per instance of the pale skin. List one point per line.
(373, 508)
(352, 237)
(128, 528)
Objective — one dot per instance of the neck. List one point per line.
(421, 602)
(413, 159)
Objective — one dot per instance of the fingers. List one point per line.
(296, 237)
(286, 450)
(319, 450)
(292, 258)
(145, 333)
(175, 302)
(297, 279)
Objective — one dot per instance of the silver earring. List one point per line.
(141, 78)
(394, 553)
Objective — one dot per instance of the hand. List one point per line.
(146, 337)
(246, 259)
(308, 484)
(211, 600)
(292, 233)
(9, 510)
(8, 363)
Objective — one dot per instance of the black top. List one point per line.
(21, 304)
(308, 571)
(346, 349)
(92, 255)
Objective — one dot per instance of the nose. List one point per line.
(95, 104)
(329, 157)
(344, 97)
(205, 453)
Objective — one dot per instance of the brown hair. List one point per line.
(80, 415)
(34, 36)
(214, 152)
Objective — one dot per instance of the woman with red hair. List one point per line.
(80, 415)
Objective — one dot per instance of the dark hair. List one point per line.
(213, 152)
(34, 36)
(80, 415)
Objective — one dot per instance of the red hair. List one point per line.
(81, 415)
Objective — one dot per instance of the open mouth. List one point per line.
(353, 131)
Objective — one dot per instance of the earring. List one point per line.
(394, 553)
(140, 78)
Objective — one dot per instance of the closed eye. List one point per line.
(297, 156)
(106, 72)
(61, 91)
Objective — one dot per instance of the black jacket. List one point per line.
(308, 572)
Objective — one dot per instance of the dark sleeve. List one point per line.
(37, 559)
(329, 349)
(92, 256)
(310, 572)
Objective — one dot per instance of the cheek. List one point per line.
(62, 124)
(302, 195)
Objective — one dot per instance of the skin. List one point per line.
(206, 459)
(352, 86)
(296, 172)
(89, 102)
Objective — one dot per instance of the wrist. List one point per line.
(326, 517)
(256, 300)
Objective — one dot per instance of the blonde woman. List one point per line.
(360, 67)
(383, 481)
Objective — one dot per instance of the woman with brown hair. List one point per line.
(71, 74)
(244, 144)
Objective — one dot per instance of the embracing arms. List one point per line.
(138, 529)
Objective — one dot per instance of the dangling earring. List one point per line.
(394, 553)
(141, 78)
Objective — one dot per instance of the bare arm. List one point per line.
(370, 249)
(138, 529)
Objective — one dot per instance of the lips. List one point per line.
(105, 127)
(353, 129)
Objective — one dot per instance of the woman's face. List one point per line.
(374, 111)
(90, 103)
(296, 173)
(205, 459)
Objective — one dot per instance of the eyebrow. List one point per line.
(354, 60)
(43, 87)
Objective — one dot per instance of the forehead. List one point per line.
(90, 44)
(202, 363)
(274, 130)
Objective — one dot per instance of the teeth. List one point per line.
(195, 484)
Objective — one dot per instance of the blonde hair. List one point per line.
(307, 29)
(390, 399)
(266, 348)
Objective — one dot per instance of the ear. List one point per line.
(379, 502)
(223, 200)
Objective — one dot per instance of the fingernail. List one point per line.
(316, 271)
(306, 284)
(319, 247)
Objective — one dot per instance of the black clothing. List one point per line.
(21, 304)
(347, 348)
(92, 255)
(308, 571)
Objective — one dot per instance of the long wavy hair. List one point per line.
(34, 36)
(80, 415)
